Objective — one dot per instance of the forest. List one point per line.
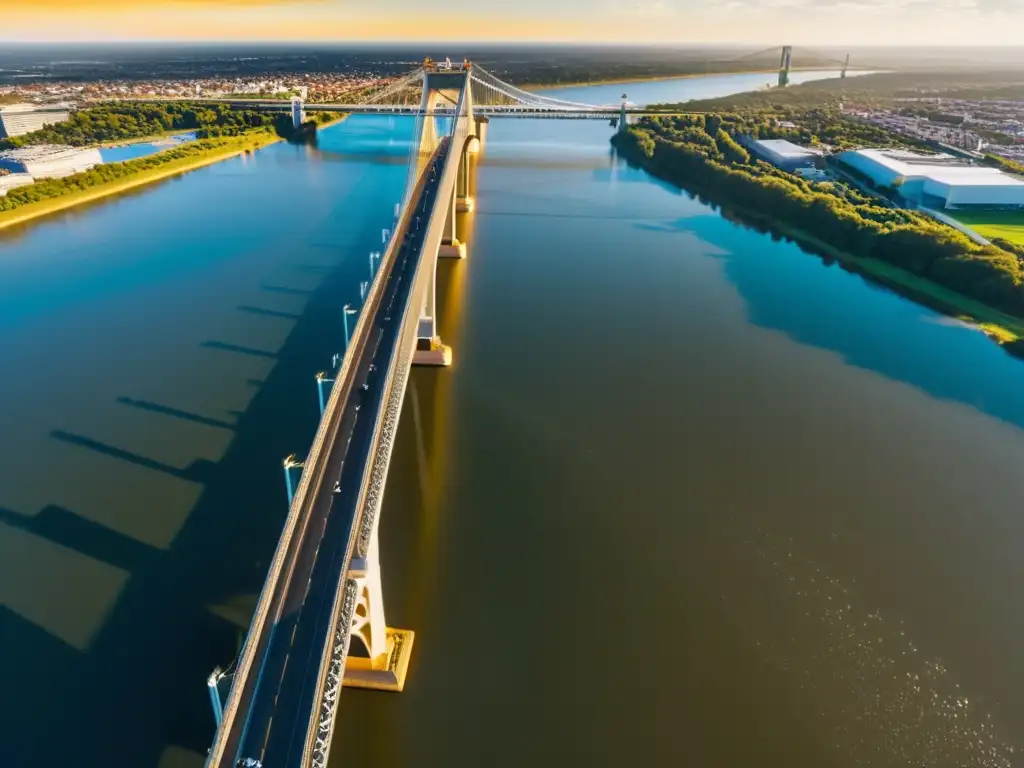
(700, 151)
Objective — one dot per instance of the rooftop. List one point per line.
(22, 107)
(788, 149)
(942, 168)
(43, 152)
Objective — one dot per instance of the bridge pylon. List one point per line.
(447, 87)
(784, 65)
(298, 112)
(388, 650)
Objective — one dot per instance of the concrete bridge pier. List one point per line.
(429, 349)
(464, 203)
(463, 200)
(387, 651)
(479, 140)
(451, 246)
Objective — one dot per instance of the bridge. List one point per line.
(492, 97)
(320, 622)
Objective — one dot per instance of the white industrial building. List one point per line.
(12, 180)
(940, 181)
(19, 119)
(781, 153)
(49, 160)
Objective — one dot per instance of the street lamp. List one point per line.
(213, 683)
(321, 379)
(363, 285)
(291, 463)
(345, 312)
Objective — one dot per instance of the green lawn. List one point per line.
(1008, 225)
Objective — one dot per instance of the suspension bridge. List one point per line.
(320, 621)
(493, 97)
(322, 596)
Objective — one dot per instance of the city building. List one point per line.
(781, 153)
(49, 161)
(12, 180)
(938, 181)
(19, 119)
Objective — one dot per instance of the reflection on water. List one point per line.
(159, 358)
(688, 495)
(884, 700)
(781, 486)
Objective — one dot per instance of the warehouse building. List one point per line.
(19, 119)
(49, 161)
(938, 181)
(14, 180)
(781, 153)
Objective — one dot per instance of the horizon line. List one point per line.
(517, 42)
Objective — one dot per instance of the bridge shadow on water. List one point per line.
(864, 321)
(133, 692)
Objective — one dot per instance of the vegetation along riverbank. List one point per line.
(222, 133)
(904, 249)
(51, 195)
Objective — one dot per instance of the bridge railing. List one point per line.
(246, 680)
(320, 733)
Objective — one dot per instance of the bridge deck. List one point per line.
(282, 697)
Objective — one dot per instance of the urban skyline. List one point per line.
(823, 22)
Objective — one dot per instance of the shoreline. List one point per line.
(151, 139)
(254, 141)
(654, 78)
(64, 202)
(1006, 330)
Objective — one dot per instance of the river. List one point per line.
(689, 495)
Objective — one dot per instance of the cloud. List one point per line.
(998, 6)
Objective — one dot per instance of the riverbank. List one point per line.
(664, 78)
(225, 148)
(1005, 329)
(153, 138)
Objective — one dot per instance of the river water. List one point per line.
(688, 495)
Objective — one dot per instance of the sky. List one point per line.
(772, 22)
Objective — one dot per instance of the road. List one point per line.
(282, 696)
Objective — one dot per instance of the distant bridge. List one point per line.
(492, 97)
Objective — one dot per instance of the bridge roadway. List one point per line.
(281, 701)
(522, 110)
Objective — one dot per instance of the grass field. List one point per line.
(1008, 225)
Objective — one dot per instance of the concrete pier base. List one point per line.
(464, 204)
(432, 352)
(386, 672)
(451, 249)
